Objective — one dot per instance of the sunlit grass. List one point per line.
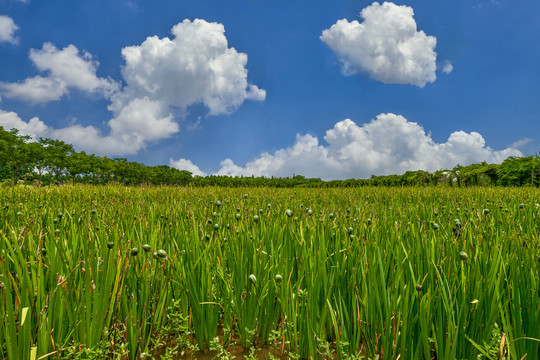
(411, 273)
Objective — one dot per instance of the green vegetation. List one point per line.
(46, 160)
(119, 272)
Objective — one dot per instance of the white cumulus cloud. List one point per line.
(67, 68)
(163, 77)
(195, 66)
(184, 164)
(37, 89)
(386, 45)
(389, 144)
(7, 30)
(143, 120)
(72, 67)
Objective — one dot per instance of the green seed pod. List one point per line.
(419, 287)
(43, 251)
(269, 205)
(209, 221)
(110, 245)
(60, 215)
(93, 211)
(260, 211)
(147, 248)
(252, 279)
(246, 196)
(350, 230)
(309, 212)
(256, 218)
(19, 213)
(435, 226)
(156, 255)
(238, 216)
(331, 216)
(218, 203)
(522, 205)
(485, 211)
(162, 254)
(463, 256)
(55, 221)
(369, 222)
(278, 279)
(216, 226)
(288, 213)
(134, 251)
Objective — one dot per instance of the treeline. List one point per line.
(50, 161)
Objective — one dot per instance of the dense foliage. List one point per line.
(52, 160)
(128, 272)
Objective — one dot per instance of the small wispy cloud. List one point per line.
(447, 67)
(195, 125)
(520, 143)
(483, 4)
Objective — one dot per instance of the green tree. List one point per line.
(77, 164)
(56, 154)
(120, 169)
(519, 171)
(37, 154)
(14, 151)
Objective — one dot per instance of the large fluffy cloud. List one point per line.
(7, 30)
(386, 45)
(163, 77)
(388, 144)
(66, 69)
(195, 66)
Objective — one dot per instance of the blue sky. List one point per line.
(330, 89)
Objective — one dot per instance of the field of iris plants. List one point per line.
(116, 272)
